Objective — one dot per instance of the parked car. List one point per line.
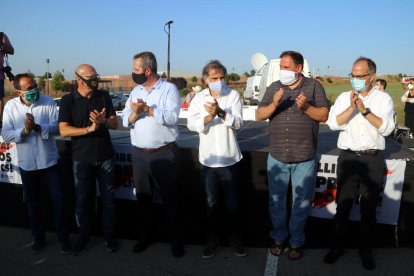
(118, 100)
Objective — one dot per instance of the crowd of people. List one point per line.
(294, 106)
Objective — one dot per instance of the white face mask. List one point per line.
(410, 86)
(288, 77)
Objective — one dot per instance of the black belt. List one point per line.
(363, 152)
(162, 148)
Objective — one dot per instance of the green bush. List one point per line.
(319, 79)
(184, 91)
(329, 80)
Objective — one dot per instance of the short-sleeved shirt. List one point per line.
(293, 134)
(74, 109)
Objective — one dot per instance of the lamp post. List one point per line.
(168, 33)
(47, 76)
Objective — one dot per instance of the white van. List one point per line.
(252, 90)
(269, 71)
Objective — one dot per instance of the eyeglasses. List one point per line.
(361, 77)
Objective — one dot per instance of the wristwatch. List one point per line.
(221, 113)
(146, 109)
(367, 111)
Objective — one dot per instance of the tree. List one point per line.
(163, 75)
(246, 74)
(232, 77)
(30, 73)
(57, 81)
(45, 75)
(41, 83)
(252, 72)
(194, 79)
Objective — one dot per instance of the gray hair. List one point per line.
(372, 67)
(213, 64)
(148, 60)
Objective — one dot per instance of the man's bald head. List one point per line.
(86, 71)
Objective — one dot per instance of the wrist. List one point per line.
(88, 130)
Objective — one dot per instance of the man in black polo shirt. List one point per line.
(86, 115)
(294, 106)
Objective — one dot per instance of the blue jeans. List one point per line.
(33, 182)
(85, 175)
(303, 177)
(222, 181)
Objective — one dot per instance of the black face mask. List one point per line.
(91, 83)
(139, 78)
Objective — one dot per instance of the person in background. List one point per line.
(5, 49)
(151, 113)
(86, 116)
(190, 96)
(30, 120)
(363, 116)
(216, 114)
(294, 105)
(381, 84)
(408, 99)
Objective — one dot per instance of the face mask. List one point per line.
(218, 86)
(287, 77)
(139, 78)
(32, 96)
(377, 87)
(410, 86)
(91, 83)
(358, 85)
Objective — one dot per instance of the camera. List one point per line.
(9, 74)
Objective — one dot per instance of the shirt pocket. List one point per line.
(42, 119)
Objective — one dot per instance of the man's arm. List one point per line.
(264, 112)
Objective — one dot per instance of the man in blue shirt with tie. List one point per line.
(152, 114)
(31, 121)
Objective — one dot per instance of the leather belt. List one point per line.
(364, 152)
(163, 148)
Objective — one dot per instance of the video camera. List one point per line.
(9, 74)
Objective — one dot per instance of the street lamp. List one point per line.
(168, 33)
(47, 76)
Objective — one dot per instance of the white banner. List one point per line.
(9, 168)
(388, 208)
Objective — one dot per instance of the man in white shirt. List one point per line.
(216, 113)
(30, 121)
(364, 116)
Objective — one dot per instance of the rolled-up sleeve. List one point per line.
(195, 118)
(234, 117)
(168, 114)
(340, 105)
(387, 116)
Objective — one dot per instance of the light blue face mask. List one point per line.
(358, 85)
(218, 86)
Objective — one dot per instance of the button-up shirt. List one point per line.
(218, 139)
(157, 131)
(38, 149)
(358, 133)
(293, 134)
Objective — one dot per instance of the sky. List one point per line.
(107, 34)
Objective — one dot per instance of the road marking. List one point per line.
(271, 265)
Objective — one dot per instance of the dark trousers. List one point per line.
(86, 174)
(358, 176)
(222, 183)
(157, 171)
(33, 182)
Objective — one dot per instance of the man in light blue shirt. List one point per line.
(30, 121)
(152, 114)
